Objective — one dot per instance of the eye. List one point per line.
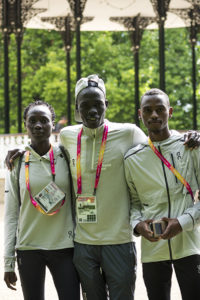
(147, 110)
(160, 109)
(83, 106)
(44, 121)
(31, 120)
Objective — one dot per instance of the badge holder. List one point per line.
(86, 208)
(50, 197)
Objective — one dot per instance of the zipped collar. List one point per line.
(94, 132)
(35, 154)
(175, 136)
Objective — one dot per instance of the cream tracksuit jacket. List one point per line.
(25, 227)
(149, 187)
(113, 201)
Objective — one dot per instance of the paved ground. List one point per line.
(6, 294)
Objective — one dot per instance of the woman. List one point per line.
(38, 227)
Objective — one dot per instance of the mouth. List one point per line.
(92, 119)
(155, 122)
(38, 133)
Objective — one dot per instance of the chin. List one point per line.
(92, 125)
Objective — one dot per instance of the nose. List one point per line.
(38, 125)
(154, 115)
(92, 111)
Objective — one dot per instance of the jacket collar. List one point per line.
(96, 131)
(174, 136)
(35, 154)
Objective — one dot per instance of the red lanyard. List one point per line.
(51, 156)
(171, 168)
(100, 160)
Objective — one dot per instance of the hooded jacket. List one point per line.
(25, 228)
(156, 192)
(113, 201)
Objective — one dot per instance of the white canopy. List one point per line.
(102, 10)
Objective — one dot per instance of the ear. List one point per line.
(24, 124)
(106, 103)
(170, 112)
(53, 124)
(139, 114)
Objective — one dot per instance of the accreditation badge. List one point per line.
(50, 197)
(86, 208)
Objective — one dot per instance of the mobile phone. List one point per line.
(158, 227)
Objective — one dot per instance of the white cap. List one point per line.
(91, 80)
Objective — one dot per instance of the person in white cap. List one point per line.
(105, 255)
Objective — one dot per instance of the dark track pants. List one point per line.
(107, 267)
(32, 266)
(157, 278)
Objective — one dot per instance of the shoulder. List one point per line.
(59, 151)
(68, 130)
(141, 148)
(126, 127)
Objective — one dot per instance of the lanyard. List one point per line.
(51, 156)
(171, 168)
(100, 160)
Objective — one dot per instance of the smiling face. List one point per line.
(155, 112)
(39, 123)
(91, 104)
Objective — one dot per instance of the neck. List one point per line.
(41, 148)
(157, 136)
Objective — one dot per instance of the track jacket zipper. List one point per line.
(169, 203)
(93, 149)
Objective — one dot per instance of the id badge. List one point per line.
(86, 208)
(50, 197)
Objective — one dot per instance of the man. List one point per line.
(156, 194)
(104, 248)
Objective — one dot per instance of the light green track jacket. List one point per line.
(25, 227)
(113, 201)
(148, 188)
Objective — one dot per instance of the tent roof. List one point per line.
(102, 10)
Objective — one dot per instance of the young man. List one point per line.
(156, 194)
(104, 248)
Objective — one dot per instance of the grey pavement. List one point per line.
(50, 293)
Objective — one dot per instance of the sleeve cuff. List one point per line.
(9, 264)
(134, 224)
(186, 221)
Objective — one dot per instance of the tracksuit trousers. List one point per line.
(106, 270)
(157, 277)
(32, 267)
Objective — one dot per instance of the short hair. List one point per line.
(154, 91)
(40, 102)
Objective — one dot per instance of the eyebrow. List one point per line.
(159, 105)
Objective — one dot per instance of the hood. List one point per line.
(95, 131)
(175, 136)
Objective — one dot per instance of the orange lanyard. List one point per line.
(100, 160)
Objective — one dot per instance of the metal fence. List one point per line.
(12, 141)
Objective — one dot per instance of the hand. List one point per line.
(173, 228)
(10, 279)
(143, 229)
(192, 139)
(11, 156)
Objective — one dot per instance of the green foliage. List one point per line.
(108, 54)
